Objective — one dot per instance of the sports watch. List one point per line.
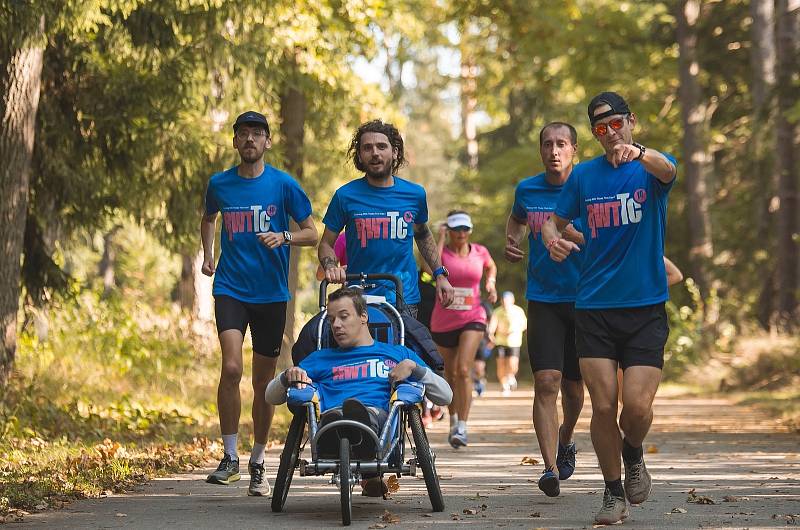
(287, 237)
(441, 271)
(641, 148)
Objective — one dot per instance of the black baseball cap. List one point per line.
(613, 100)
(251, 117)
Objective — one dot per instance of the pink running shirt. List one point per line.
(465, 277)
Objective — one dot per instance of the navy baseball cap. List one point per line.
(613, 100)
(251, 117)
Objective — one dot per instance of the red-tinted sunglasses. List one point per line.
(601, 129)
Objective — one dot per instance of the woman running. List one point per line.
(459, 328)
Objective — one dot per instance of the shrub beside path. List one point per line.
(714, 464)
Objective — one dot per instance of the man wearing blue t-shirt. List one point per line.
(250, 287)
(382, 213)
(621, 200)
(354, 379)
(551, 305)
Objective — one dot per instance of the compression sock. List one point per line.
(462, 426)
(230, 441)
(629, 453)
(453, 421)
(615, 487)
(257, 454)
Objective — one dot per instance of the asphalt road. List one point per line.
(743, 462)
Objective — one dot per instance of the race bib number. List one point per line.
(463, 299)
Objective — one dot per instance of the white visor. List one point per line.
(459, 219)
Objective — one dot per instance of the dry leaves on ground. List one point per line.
(676, 510)
(476, 510)
(389, 517)
(528, 461)
(734, 498)
(699, 499)
(652, 449)
(393, 484)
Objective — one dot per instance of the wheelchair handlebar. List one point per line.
(363, 278)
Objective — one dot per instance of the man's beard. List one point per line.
(382, 174)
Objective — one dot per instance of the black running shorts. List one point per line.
(266, 322)
(551, 338)
(449, 339)
(507, 351)
(633, 336)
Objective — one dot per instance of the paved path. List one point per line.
(720, 450)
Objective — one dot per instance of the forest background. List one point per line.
(116, 112)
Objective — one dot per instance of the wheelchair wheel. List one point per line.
(425, 460)
(289, 457)
(345, 484)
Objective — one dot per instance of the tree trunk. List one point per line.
(20, 80)
(762, 61)
(787, 214)
(185, 290)
(469, 101)
(106, 269)
(293, 118)
(695, 114)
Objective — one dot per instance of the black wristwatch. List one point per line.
(287, 237)
(641, 148)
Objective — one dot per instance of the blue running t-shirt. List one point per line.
(361, 372)
(548, 281)
(623, 213)
(248, 270)
(379, 232)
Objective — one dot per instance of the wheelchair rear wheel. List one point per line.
(345, 482)
(425, 460)
(289, 457)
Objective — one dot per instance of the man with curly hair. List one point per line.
(382, 212)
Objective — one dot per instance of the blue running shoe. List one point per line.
(565, 460)
(548, 483)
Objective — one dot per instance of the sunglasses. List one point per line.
(601, 129)
(460, 228)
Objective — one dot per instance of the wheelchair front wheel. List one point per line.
(345, 482)
(425, 460)
(289, 457)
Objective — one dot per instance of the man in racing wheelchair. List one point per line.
(354, 380)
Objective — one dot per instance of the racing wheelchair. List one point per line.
(349, 449)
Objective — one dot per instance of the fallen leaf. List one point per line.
(733, 498)
(652, 449)
(503, 487)
(698, 499)
(41, 506)
(470, 511)
(528, 461)
(389, 517)
(676, 510)
(377, 525)
(426, 515)
(120, 515)
(393, 484)
(536, 514)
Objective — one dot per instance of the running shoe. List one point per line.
(565, 460)
(480, 386)
(637, 482)
(512, 382)
(227, 472)
(614, 510)
(548, 483)
(458, 438)
(259, 485)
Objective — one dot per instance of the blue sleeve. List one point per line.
(568, 205)
(518, 210)
(297, 203)
(665, 188)
(211, 201)
(408, 353)
(578, 224)
(335, 218)
(423, 208)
